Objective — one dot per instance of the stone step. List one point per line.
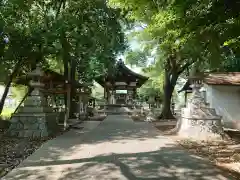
(35, 114)
(117, 113)
(31, 109)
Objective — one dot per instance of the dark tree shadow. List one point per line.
(167, 162)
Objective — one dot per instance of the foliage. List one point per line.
(58, 34)
(94, 34)
(18, 92)
(153, 87)
(231, 64)
(97, 91)
(150, 89)
(91, 29)
(136, 58)
(194, 30)
(180, 33)
(6, 113)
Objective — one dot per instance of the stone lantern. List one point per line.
(198, 121)
(35, 119)
(84, 93)
(151, 101)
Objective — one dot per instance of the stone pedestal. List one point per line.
(157, 112)
(150, 117)
(36, 119)
(198, 121)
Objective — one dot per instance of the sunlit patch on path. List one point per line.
(117, 148)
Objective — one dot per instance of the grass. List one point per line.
(6, 113)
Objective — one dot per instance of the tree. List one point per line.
(81, 35)
(182, 33)
(23, 48)
(150, 89)
(90, 39)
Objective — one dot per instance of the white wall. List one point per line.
(226, 101)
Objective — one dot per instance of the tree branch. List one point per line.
(184, 67)
(61, 4)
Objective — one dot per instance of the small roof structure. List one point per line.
(122, 73)
(49, 75)
(228, 78)
(217, 78)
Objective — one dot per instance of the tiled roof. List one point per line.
(229, 78)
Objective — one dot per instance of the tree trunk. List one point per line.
(72, 93)
(30, 90)
(66, 60)
(8, 85)
(13, 75)
(4, 96)
(169, 84)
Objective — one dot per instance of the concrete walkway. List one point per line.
(115, 149)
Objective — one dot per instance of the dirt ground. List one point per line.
(224, 153)
(14, 150)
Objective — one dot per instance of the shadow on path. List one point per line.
(117, 149)
(168, 163)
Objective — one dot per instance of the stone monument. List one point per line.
(198, 121)
(35, 119)
(84, 93)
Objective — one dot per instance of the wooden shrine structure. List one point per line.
(56, 88)
(120, 86)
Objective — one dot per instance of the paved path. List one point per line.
(115, 149)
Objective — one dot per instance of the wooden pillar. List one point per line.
(104, 95)
(114, 96)
(108, 96)
(185, 98)
(67, 109)
(54, 105)
(94, 103)
(68, 104)
(79, 103)
(134, 93)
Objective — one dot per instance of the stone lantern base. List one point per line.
(198, 121)
(35, 119)
(33, 126)
(199, 127)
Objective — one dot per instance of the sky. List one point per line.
(134, 45)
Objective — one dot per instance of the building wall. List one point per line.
(226, 101)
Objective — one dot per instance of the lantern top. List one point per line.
(196, 76)
(37, 72)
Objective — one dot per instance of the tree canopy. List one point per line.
(91, 30)
(83, 35)
(180, 33)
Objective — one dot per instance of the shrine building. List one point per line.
(121, 85)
